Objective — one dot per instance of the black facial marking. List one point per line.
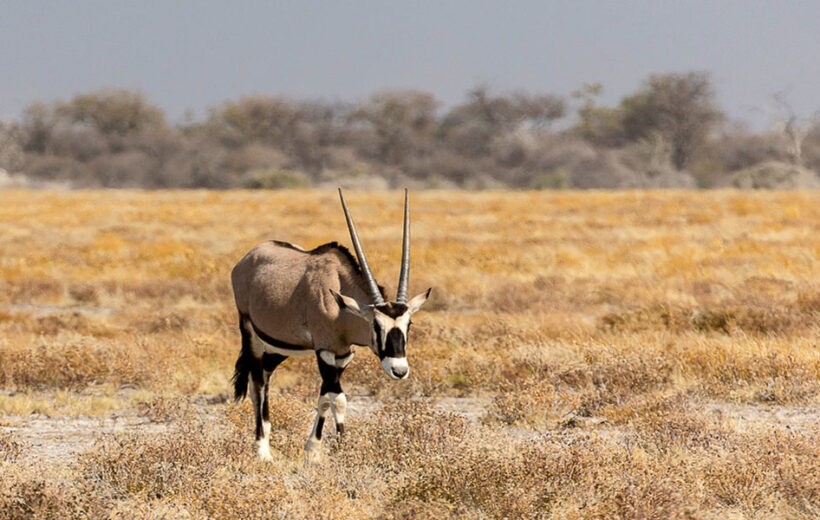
(379, 346)
(392, 309)
(395, 344)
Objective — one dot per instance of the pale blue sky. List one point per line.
(196, 54)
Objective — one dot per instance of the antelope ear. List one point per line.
(417, 301)
(347, 303)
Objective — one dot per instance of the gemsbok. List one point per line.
(294, 302)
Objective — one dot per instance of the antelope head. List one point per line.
(390, 321)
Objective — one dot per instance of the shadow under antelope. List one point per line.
(321, 303)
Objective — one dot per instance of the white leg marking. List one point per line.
(342, 361)
(338, 403)
(313, 446)
(327, 357)
(262, 445)
(263, 449)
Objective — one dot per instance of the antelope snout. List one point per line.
(396, 368)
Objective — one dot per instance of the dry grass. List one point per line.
(597, 327)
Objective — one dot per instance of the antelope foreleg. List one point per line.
(313, 446)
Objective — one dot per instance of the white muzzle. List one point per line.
(396, 368)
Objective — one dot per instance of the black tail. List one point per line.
(244, 364)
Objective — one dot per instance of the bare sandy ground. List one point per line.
(58, 439)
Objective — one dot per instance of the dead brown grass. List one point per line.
(595, 325)
(409, 460)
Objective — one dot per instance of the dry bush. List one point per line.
(808, 301)
(408, 460)
(395, 437)
(163, 323)
(76, 140)
(28, 290)
(84, 293)
(129, 169)
(11, 143)
(116, 138)
(74, 362)
(10, 447)
(165, 409)
(173, 465)
(757, 470)
(560, 381)
(741, 150)
(767, 320)
(532, 403)
(270, 179)
(612, 379)
(776, 175)
(758, 372)
(290, 420)
(542, 294)
(669, 422)
(488, 479)
(653, 317)
(55, 170)
(255, 156)
(25, 492)
(706, 320)
(199, 467)
(74, 322)
(162, 292)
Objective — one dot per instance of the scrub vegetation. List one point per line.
(669, 133)
(583, 355)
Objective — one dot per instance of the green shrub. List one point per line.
(276, 180)
(553, 180)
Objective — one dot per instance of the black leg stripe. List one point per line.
(320, 423)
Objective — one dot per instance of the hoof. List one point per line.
(265, 456)
(313, 451)
(263, 451)
(313, 457)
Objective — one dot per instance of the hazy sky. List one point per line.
(196, 54)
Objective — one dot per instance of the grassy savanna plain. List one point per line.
(583, 355)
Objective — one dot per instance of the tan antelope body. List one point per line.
(294, 302)
(285, 292)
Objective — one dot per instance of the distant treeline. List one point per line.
(669, 133)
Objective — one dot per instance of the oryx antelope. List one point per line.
(321, 302)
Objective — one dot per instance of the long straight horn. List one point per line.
(372, 286)
(404, 274)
